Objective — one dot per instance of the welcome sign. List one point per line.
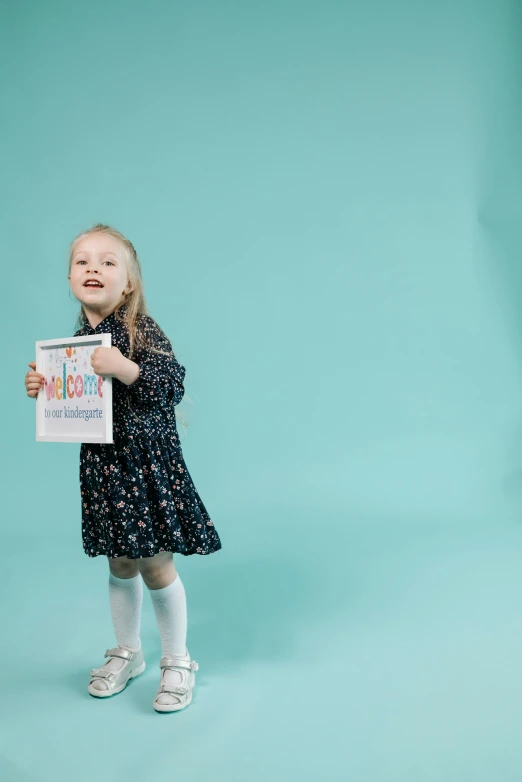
(74, 404)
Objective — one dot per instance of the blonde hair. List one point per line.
(134, 301)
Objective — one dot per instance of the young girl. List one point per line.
(139, 504)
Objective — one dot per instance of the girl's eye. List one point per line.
(111, 263)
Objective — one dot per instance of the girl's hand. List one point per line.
(33, 381)
(107, 361)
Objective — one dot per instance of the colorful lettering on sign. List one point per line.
(71, 386)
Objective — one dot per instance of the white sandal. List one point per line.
(183, 691)
(116, 681)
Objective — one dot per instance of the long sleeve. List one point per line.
(161, 377)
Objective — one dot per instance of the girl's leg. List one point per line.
(170, 606)
(168, 598)
(123, 567)
(126, 598)
(158, 571)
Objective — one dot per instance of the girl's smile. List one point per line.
(96, 284)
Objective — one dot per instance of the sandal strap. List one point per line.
(173, 690)
(178, 662)
(182, 690)
(118, 651)
(101, 674)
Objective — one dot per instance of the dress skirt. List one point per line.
(138, 500)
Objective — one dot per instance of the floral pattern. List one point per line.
(137, 496)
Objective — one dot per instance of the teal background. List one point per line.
(326, 200)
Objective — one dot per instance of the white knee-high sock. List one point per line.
(170, 607)
(126, 598)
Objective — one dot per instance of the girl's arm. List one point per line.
(128, 372)
(154, 378)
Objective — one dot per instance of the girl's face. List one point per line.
(100, 258)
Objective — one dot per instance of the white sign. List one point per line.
(75, 404)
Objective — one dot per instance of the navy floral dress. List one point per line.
(137, 496)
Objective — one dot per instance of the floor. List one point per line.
(393, 657)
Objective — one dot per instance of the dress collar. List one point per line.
(105, 323)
